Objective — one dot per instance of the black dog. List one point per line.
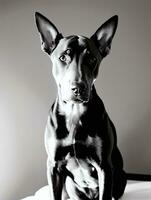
(83, 159)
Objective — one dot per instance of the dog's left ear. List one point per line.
(104, 35)
(49, 34)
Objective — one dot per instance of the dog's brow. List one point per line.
(79, 40)
(71, 39)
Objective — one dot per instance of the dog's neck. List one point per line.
(74, 111)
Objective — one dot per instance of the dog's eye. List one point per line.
(63, 58)
(66, 56)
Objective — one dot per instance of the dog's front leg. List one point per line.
(107, 193)
(55, 181)
(104, 181)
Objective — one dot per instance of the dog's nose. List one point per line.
(78, 89)
(75, 90)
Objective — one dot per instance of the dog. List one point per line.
(84, 162)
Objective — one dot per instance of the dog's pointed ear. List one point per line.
(104, 35)
(49, 34)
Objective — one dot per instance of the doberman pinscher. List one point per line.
(83, 158)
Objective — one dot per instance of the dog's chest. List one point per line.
(73, 113)
(79, 131)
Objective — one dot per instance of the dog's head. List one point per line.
(75, 59)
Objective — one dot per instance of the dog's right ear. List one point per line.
(49, 34)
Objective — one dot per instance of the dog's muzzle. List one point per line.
(80, 92)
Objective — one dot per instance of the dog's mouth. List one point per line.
(80, 99)
(77, 100)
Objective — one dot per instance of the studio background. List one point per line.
(27, 88)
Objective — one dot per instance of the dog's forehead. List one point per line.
(76, 42)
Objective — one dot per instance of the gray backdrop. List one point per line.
(27, 88)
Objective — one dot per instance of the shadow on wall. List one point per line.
(135, 141)
(23, 188)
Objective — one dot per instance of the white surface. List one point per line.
(135, 190)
